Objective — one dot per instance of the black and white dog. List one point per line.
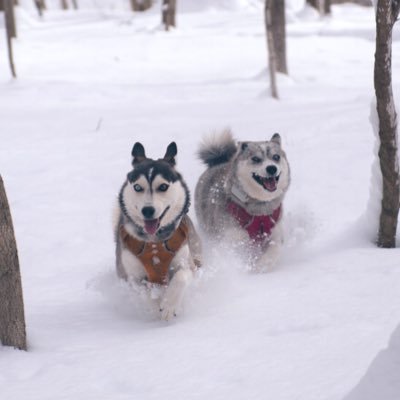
(239, 197)
(156, 242)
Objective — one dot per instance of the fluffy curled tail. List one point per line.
(217, 148)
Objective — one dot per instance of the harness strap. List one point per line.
(156, 257)
(259, 227)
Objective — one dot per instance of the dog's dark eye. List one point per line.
(163, 187)
(256, 159)
(276, 157)
(137, 188)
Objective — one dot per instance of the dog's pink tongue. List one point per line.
(269, 184)
(151, 226)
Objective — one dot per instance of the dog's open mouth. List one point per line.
(268, 183)
(151, 225)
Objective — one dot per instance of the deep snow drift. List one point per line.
(93, 82)
(382, 380)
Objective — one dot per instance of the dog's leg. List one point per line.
(194, 243)
(184, 266)
(235, 237)
(130, 267)
(270, 257)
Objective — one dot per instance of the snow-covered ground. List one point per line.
(382, 378)
(93, 82)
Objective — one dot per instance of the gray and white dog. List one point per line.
(239, 197)
(156, 243)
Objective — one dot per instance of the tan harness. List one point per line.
(156, 257)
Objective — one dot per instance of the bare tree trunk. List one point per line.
(147, 4)
(169, 13)
(327, 7)
(12, 317)
(12, 19)
(278, 29)
(7, 15)
(75, 4)
(172, 13)
(386, 15)
(365, 3)
(323, 6)
(270, 48)
(141, 5)
(40, 5)
(64, 4)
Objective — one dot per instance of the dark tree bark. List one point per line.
(141, 5)
(10, 10)
(365, 3)
(278, 29)
(313, 3)
(8, 5)
(270, 48)
(40, 6)
(169, 13)
(386, 15)
(327, 7)
(75, 4)
(323, 6)
(12, 317)
(9, 14)
(64, 4)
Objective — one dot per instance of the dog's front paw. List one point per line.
(268, 261)
(167, 311)
(171, 303)
(263, 266)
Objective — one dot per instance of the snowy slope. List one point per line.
(382, 378)
(90, 85)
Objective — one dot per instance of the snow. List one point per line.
(94, 81)
(382, 378)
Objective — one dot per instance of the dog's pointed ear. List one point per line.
(138, 153)
(243, 146)
(276, 138)
(129, 176)
(172, 150)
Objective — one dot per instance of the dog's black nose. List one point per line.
(148, 212)
(272, 170)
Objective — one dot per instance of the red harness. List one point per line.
(259, 227)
